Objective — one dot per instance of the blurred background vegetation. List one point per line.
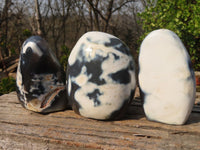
(62, 22)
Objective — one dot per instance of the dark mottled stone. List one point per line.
(33, 68)
(85, 71)
(40, 89)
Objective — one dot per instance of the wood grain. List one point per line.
(23, 129)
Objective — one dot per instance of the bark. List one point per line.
(38, 18)
(96, 12)
(108, 15)
(63, 21)
(65, 14)
(91, 18)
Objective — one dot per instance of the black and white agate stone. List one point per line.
(41, 82)
(166, 78)
(101, 76)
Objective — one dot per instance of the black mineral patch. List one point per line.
(29, 51)
(131, 65)
(132, 94)
(24, 44)
(75, 105)
(118, 45)
(121, 111)
(191, 70)
(75, 69)
(122, 76)
(94, 96)
(90, 40)
(46, 65)
(39, 89)
(116, 56)
(95, 70)
(113, 42)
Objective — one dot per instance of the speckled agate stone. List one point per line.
(166, 78)
(41, 82)
(101, 76)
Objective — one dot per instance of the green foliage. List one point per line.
(180, 16)
(26, 33)
(7, 85)
(12, 50)
(65, 52)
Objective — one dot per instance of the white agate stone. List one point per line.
(101, 76)
(166, 78)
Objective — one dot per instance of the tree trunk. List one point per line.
(94, 7)
(91, 18)
(108, 15)
(63, 21)
(5, 32)
(38, 19)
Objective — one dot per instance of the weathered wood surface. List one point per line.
(8, 61)
(23, 129)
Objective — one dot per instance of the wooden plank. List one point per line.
(23, 129)
(9, 61)
(12, 68)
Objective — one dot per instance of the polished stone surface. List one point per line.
(40, 79)
(166, 78)
(101, 76)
